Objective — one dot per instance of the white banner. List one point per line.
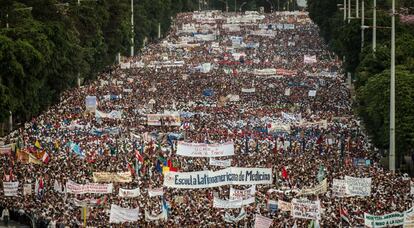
(409, 218)
(309, 59)
(388, 220)
(267, 71)
(10, 188)
(312, 93)
(262, 222)
(249, 90)
(221, 163)
(120, 215)
(219, 203)
(205, 150)
(358, 186)
(209, 179)
(128, 193)
(149, 217)
(339, 188)
(318, 189)
(306, 209)
(242, 194)
(112, 115)
(72, 187)
(231, 219)
(155, 192)
(411, 188)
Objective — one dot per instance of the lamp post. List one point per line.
(374, 29)
(362, 24)
(132, 28)
(392, 93)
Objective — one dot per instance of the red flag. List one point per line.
(172, 168)
(131, 169)
(343, 212)
(45, 157)
(139, 156)
(285, 173)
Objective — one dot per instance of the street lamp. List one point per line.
(241, 6)
(392, 93)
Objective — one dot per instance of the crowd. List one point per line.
(265, 82)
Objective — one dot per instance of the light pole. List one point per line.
(132, 28)
(349, 11)
(344, 10)
(235, 6)
(392, 91)
(362, 24)
(241, 6)
(374, 29)
(357, 8)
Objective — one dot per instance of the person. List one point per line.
(5, 216)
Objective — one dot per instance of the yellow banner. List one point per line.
(122, 177)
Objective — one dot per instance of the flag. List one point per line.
(284, 173)
(139, 156)
(343, 212)
(45, 157)
(37, 144)
(158, 167)
(131, 169)
(165, 169)
(321, 173)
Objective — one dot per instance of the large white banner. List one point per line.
(10, 188)
(284, 206)
(388, 220)
(242, 194)
(168, 119)
(75, 188)
(262, 222)
(209, 179)
(358, 186)
(149, 217)
(120, 215)
(409, 218)
(221, 163)
(339, 188)
(238, 203)
(306, 209)
(155, 192)
(204, 149)
(128, 193)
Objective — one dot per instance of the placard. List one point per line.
(204, 149)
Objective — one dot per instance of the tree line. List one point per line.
(371, 71)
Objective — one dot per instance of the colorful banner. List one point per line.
(284, 206)
(168, 119)
(219, 203)
(358, 186)
(122, 177)
(11, 188)
(155, 192)
(128, 193)
(306, 209)
(74, 188)
(262, 222)
(120, 215)
(204, 149)
(339, 188)
(220, 163)
(318, 189)
(209, 179)
(242, 194)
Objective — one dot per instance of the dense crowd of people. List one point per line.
(265, 82)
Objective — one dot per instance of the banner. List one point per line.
(221, 163)
(388, 220)
(112, 115)
(168, 119)
(155, 192)
(411, 188)
(312, 93)
(75, 188)
(306, 209)
(5, 150)
(160, 216)
(219, 203)
(11, 188)
(209, 179)
(284, 206)
(409, 218)
(339, 188)
(27, 189)
(318, 189)
(268, 71)
(272, 205)
(122, 177)
(262, 222)
(242, 194)
(204, 149)
(128, 193)
(309, 59)
(231, 219)
(249, 90)
(358, 186)
(120, 215)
